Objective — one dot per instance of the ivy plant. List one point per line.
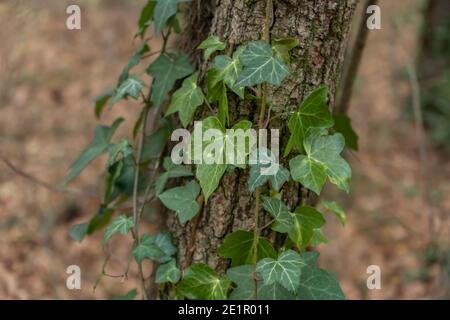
(137, 173)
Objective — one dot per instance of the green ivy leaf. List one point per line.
(120, 225)
(165, 71)
(257, 176)
(98, 146)
(318, 238)
(78, 232)
(335, 208)
(242, 276)
(280, 178)
(163, 11)
(343, 125)
(285, 270)
(131, 87)
(279, 212)
(282, 48)
(146, 17)
(306, 220)
(186, 100)
(227, 70)
(182, 200)
(211, 45)
(122, 148)
(168, 272)
(238, 246)
(175, 171)
(313, 112)
(158, 248)
(134, 61)
(101, 219)
(218, 93)
(155, 143)
(260, 65)
(318, 284)
(129, 296)
(101, 101)
(322, 159)
(201, 282)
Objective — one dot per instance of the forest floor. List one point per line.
(49, 77)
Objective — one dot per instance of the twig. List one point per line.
(191, 245)
(44, 184)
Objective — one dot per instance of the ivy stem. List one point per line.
(262, 89)
(135, 232)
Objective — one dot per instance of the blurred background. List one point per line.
(398, 209)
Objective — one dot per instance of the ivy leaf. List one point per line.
(165, 71)
(242, 276)
(218, 93)
(322, 159)
(186, 100)
(279, 212)
(101, 101)
(101, 219)
(182, 200)
(163, 11)
(318, 238)
(78, 232)
(211, 45)
(282, 48)
(176, 171)
(318, 284)
(313, 112)
(238, 246)
(168, 272)
(131, 87)
(120, 225)
(129, 296)
(146, 17)
(98, 146)
(343, 125)
(134, 61)
(122, 148)
(209, 175)
(227, 69)
(335, 208)
(285, 270)
(154, 144)
(158, 248)
(260, 65)
(201, 282)
(306, 219)
(280, 178)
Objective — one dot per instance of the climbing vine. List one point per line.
(138, 173)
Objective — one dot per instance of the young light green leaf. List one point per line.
(209, 176)
(168, 272)
(201, 282)
(318, 238)
(322, 159)
(134, 61)
(343, 125)
(238, 246)
(318, 284)
(131, 87)
(211, 45)
(165, 71)
(120, 225)
(282, 48)
(186, 100)
(285, 270)
(158, 248)
(260, 65)
(98, 146)
(306, 219)
(313, 112)
(335, 208)
(182, 200)
(242, 276)
(163, 11)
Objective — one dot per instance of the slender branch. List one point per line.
(44, 184)
(352, 62)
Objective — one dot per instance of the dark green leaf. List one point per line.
(343, 125)
(163, 11)
(158, 248)
(146, 17)
(98, 146)
(306, 219)
(168, 272)
(101, 101)
(318, 284)
(182, 200)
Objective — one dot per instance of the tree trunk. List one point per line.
(321, 28)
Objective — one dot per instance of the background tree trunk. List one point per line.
(321, 28)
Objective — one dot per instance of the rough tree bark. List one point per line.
(321, 28)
